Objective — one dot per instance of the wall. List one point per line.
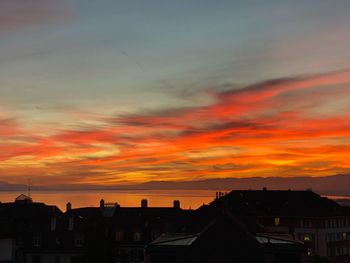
(6, 249)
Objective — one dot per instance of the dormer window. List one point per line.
(155, 233)
(137, 236)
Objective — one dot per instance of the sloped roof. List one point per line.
(175, 239)
(86, 212)
(131, 215)
(31, 211)
(285, 203)
(20, 216)
(224, 240)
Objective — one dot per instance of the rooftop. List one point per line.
(283, 202)
(175, 239)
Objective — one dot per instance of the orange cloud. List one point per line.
(9, 127)
(250, 131)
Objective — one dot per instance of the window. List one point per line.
(119, 235)
(341, 251)
(344, 236)
(307, 237)
(277, 221)
(136, 255)
(140, 255)
(79, 241)
(306, 223)
(155, 233)
(137, 236)
(121, 255)
(338, 236)
(133, 255)
(19, 241)
(37, 240)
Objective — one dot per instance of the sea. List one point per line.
(189, 199)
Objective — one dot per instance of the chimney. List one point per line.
(102, 204)
(144, 203)
(68, 207)
(176, 204)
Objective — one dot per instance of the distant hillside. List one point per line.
(336, 184)
(331, 185)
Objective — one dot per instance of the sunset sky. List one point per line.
(118, 92)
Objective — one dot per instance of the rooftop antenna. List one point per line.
(29, 181)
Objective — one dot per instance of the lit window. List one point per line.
(344, 235)
(277, 221)
(137, 236)
(307, 237)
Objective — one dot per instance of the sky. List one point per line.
(118, 92)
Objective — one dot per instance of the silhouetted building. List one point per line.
(23, 199)
(135, 227)
(241, 226)
(224, 239)
(27, 229)
(322, 224)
